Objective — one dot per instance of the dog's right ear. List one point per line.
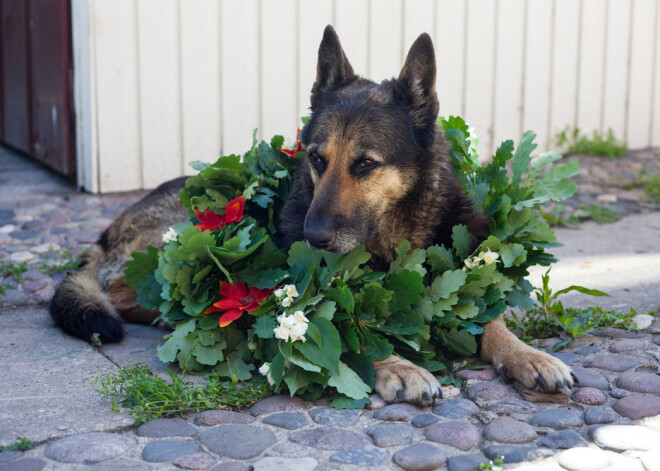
(333, 69)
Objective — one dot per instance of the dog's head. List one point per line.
(368, 145)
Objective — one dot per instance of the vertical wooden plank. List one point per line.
(592, 43)
(419, 17)
(565, 71)
(117, 95)
(279, 92)
(655, 121)
(537, 91)
(641, 73)
(615, 76)
(200, 81)
(160, 107)
(507, 113)
(450, 35)
(479, 52)
(385, 52)
(313, 16)
(354, 40)
(241, 73)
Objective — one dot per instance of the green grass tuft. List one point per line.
(21, 444)
(577, 143)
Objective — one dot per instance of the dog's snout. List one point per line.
(319, 234)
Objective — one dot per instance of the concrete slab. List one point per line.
(46, 391)
(621, 259)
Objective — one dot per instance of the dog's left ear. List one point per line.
(333, 70)
(416, 87)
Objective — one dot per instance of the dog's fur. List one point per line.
(377, 171)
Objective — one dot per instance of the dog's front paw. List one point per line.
(398, 380)
(535, 369)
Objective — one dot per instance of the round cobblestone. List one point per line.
(587, 351)
(401, 412)
(486, 373)
(116, 465)
(584, 459)
(567, 358)
(508, 430)
(456, 408)
(329, 438)
(590, 378)
(233, 466)
(328, 416)
(167, 450)
(638, 407)
(424, 420)
(273, 463)
(199, 460)
(373, 457)
(460, 435)
(279, 403)
(89, 447)
(642, 321)
(625, 437)
(626, 345)
(420, 457)
(160, 428)
(613, 333)
(589, 396)
(567, 438)
(488, 391)
(25, 464)
(640, 382)
(516, 454)
(556, 418)
(466, 462)
(236, 441)
(614, 362)
(618, 393)
(287, 420)
(599, 415)
(513, 406)
(223, 417)
(387, 435)
(9, 455)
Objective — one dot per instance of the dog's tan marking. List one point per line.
(520, 361)
(399, 380)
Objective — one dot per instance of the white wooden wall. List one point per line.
(160, 83)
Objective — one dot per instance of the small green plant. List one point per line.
(577, 143)
(597, 213)
(13, 271)
(652, 187)
(559, 215)
(146, 396)
(60, 262)
(493, 465)
(96, 340)
(21, 444)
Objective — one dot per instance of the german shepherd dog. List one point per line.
(377, 171)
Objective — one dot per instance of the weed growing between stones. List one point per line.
(21, 444)
(13, 271)
(598, 144)
(494, 465)
(558, 215)
(652, 187)
(60, 262)
(146, 396)
(551, 319)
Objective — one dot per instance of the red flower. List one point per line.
(237, 299)
(298, 148)
(210, 221)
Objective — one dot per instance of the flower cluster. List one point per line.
(265, 370)
(170, 236)
(292, 148)
(292, 327)
(210, 221)
(484, 258)
(286, 295)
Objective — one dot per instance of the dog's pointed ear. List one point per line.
(416, 86)
(333, 69)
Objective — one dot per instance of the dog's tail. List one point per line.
(81, 308)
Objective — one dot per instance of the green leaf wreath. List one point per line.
(312, 320)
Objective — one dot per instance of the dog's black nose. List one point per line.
(319, 234)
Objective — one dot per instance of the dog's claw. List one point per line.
(438, 394)
(399, 394)
(426, 395)
(541, 382)
(577, 381)
(560, 384)
(505, 374)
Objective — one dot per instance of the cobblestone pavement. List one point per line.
(610, 421)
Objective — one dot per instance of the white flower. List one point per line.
(170, 236)
(287, 321)
(291, 291)
(470, 263)
(265, 370)
(489, 257)
(279, 292)
(298, 331)
(286, 302)
(299, 316)
(282, 332)
(290, 144)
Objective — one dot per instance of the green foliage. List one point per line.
(558, 215)
(577, 143)
(21, 444)
(551, 319)
(11, 271)
(493, 465)
(60, 262)
(147, 396)
(651, 185)
(427, 307)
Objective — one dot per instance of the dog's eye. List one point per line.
(366, 162)
(316, 158)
